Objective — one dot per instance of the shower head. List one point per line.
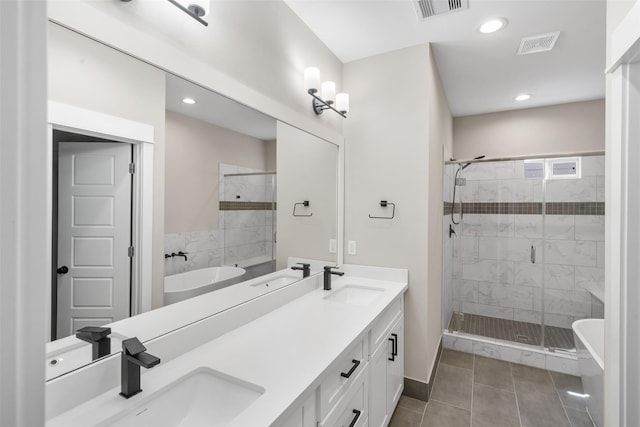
(475, 158)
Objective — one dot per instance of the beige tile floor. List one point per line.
(475, 391)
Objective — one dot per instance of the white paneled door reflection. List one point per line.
(94, 234)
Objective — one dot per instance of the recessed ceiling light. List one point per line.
(189, 101)
(493, 25)
(523, 97)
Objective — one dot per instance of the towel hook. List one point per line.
(305, 204)
(384, 204)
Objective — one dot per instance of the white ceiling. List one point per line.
(481, 73)
(211, 107)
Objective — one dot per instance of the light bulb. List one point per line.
(311, 79)
(342, 102)
(329, 92)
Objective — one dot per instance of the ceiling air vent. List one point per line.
(535, 44)
(429, 8)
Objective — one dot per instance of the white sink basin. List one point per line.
(276, 282)
(355, 294)
(201, 398)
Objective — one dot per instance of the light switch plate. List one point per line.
(351, 247)
(333, 246)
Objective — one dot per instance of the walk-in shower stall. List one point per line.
(248, 219)
(523, 249)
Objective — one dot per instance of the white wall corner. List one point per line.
(25, 251)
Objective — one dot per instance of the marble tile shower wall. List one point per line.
(492, 270)
(240, 237)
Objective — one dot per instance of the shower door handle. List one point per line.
(533, 255)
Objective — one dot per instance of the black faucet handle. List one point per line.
(93, 333)
(303, 264)
(133, 346)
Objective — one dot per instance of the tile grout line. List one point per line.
(564, 409)
(473, 382)
(513, 384)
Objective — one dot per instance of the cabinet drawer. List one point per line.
(341, 375)
(382, 326)
(352, 409)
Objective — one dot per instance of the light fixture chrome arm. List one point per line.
(319, 104)
(188, 12)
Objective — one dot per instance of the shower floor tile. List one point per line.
(512, 330)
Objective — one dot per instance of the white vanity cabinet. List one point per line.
(386, 366)
(363, 386)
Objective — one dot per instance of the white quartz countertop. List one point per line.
(285, 352)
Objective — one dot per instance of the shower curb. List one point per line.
(511, 352)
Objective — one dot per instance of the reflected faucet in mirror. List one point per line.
(134, 355)
(306, 268)
(99, 339)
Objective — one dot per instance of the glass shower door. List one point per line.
(498, 287)
(249, 221)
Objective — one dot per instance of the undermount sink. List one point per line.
(202, 398)
(276, 282)
(355, 294)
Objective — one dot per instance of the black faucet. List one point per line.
(306, 269)
(133, 356)
(180, 253)
(327, 276)
(99, 339)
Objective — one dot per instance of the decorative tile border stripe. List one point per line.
(246, 206)
(576, 208)
(552, 208)
(503, 208)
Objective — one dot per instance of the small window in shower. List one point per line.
(534, 169)
(564, 168)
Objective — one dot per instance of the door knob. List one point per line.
(62, 270)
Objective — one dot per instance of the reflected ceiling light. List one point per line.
(493, 25)
(328, 96)
(523, 97)
(189, 101)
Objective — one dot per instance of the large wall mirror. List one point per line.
(242, 193)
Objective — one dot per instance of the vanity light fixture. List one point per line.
(493, 25)
(328, 97)
(523, 97)
(189, 101)
(197, 9)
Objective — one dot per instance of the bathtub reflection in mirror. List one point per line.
(228, 193)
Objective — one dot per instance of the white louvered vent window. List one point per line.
(564, 168)
(534, 169)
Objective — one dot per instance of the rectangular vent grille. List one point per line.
(536, 44)
(428, 8)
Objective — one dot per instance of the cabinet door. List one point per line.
(304, 415)
(395, 367)
(378, 415)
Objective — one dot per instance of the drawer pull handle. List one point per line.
(355, 419)
(393, 348)
(395, 344)
(356, 363)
